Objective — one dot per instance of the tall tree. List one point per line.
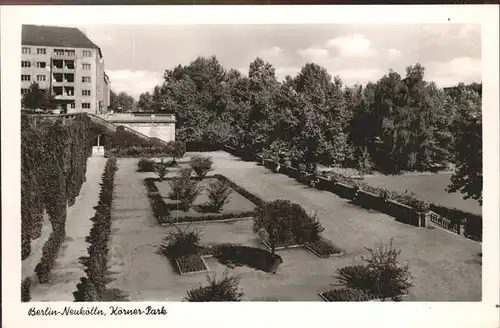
(145, 103)
(37, 98)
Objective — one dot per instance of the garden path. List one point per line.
(67, 270)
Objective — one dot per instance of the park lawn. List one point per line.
(237, 202)
(444, 267)
(430, 187)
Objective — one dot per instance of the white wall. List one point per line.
(163, 131)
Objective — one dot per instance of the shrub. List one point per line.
(25, 290)
(218, 194)
(224, 290)
(180, 243)
(346, 295)
(176, 149)
(382, 276)
(201, 165)
(161, 170)
(146, 165)
(282, 222)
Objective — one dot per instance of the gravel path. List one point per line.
(67, 270)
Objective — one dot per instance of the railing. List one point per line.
(114, 126)
(443, 222)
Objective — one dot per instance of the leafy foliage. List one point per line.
(381, 276)
(161, 169)
(282, 222)
(223, 290)
(38, 98)
(347, 295)
(146, 165)
(201, 165)
(218, 194)
(180, 243)
(184, 189)
(25, 290)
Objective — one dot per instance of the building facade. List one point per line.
(66, 62)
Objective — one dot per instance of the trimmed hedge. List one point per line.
(162, 212)
(94, 285)
(25, 290)
(53, 166)
(347, 295)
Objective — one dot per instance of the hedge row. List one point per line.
(93, 286)
(53, 166)
(350, 188)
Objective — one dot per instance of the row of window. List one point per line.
(61, 52)
(25, 63)
(42, 78)
(84, 92)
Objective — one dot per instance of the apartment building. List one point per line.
(66, 62)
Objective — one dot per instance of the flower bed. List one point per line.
(191, 264)
(256, 258)
(167, 214)
(324, 248)
(353, 295)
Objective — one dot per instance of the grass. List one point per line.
(444, 267)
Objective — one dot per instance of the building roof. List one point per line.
(56, 36)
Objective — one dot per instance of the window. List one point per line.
(25, 63)
(41, 51)
(86, 105)
(72, 105)
(41, 64)
(26, 50)
(86, 79)
(40, 78)
(69, 52)
(25, 78)
(87, 53)
(85, 92)
(59, 52)
(24, 91)
(86, 67)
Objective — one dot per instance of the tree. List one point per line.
(145, 103)
(468, 177)
(37, 98)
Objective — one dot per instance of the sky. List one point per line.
(136, 56)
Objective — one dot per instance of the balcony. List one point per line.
(65, 96)
(63, 83)
(64, 55)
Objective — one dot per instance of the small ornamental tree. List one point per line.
(282, 222)
(201, 165)
(224, 290)
(190, 191)
(218, 194)
(161, 169)
(146, 165)
(181, 243)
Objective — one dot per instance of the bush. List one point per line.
(282, 222)
(346, 295)
(161, 170)
(224, 290)
(95, 264)
(146, 165)
(180, 243)
(382, 276)
(189, 193)
(176, 149)
(25, 290)
(218, 194)
(201, 165)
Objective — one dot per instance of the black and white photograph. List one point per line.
(292, 162)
